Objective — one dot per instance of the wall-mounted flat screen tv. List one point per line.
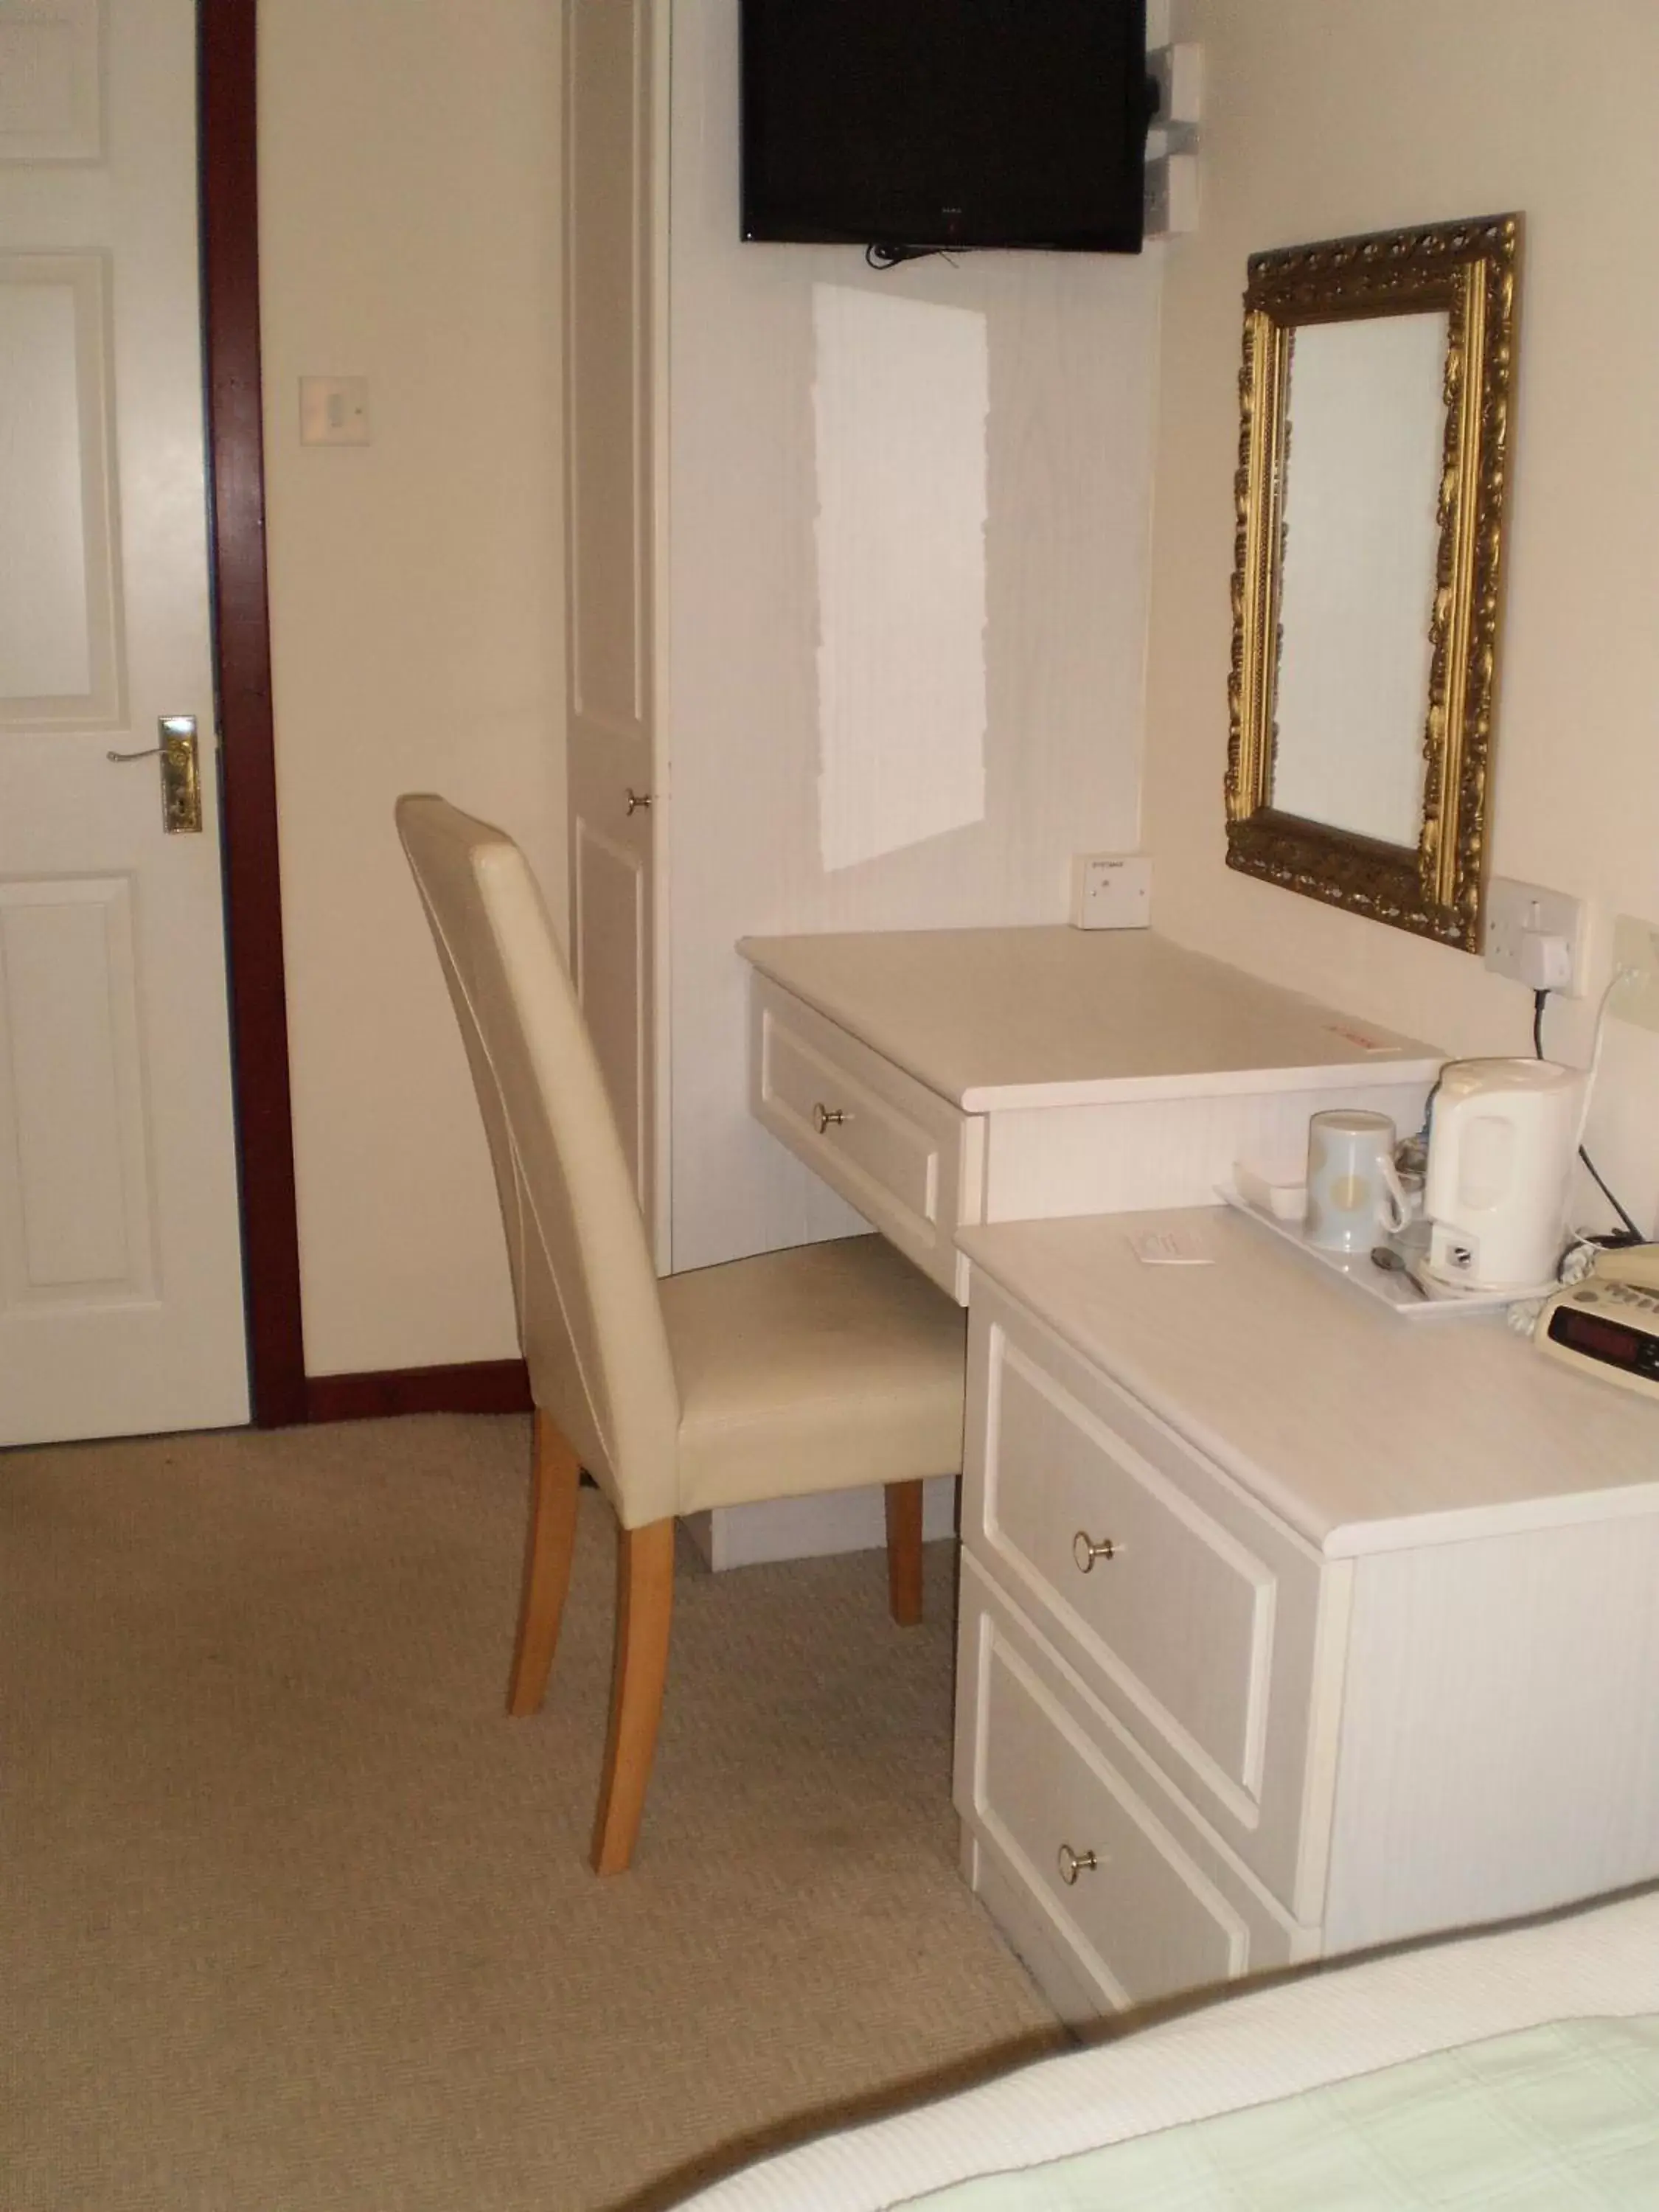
(930, 125)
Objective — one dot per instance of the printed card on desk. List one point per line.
(1171, 1247)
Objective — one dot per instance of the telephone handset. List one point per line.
(1636, 1264)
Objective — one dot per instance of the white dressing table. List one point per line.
(941, 1078)
(1287, 1626)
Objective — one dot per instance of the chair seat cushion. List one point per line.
(821, 1367)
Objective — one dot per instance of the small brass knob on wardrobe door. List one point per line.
(636, 799)
(1085, 1550)
(825, 1118)
(1072, 1863)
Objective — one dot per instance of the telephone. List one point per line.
(1608, 1321)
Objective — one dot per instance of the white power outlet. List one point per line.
(1111, 890)
(1635, 952)
(1178, 73)
(1519, 915)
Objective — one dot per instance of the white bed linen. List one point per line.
(1241, 2051)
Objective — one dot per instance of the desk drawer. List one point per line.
(1043, 1788)
(1195, 1618)
(904, 1156)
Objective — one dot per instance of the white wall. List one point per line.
(409, 232)
(1328, 117)
(1071, 342)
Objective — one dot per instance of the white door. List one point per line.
(120, 1264)
(615, 59)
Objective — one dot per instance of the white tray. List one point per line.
(1388, 1287)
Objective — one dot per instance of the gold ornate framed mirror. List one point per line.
(1373, 449)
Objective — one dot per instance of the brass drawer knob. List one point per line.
(1072, 1863)
(1085, 1550)
(638, 799)
(825, 1118)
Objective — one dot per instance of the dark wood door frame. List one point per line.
(227, 77)
(227, 93)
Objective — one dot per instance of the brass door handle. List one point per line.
(636, 799)
(181, 780)
(1072, 1863)
(1085, 1550)
(825, 1118)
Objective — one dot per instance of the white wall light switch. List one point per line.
(333, 410)
(1111, 890)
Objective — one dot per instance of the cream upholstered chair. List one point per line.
(819, 1369)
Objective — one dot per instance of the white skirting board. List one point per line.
(813, 1528)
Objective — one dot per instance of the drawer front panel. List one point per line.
(1198, 1630)
(1044, 1789)
(1063, 1487)
(905, 1158)
(874, 1142)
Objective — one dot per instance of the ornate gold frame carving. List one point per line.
(1467, 271)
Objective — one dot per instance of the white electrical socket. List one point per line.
(1519, 915)
(1170, 198)
(1111, 890)
(1636, 952)
(1178, 73)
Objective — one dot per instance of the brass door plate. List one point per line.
(181, 780)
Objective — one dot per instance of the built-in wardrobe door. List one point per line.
(616, 63)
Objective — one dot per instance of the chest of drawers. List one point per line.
(1286, 1627)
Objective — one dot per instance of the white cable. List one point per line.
(1577, 1262)
(1580, 1256)
(1619, 976)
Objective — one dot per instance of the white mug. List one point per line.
(1353, 1190)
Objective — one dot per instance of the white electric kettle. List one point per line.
(1502, 1135)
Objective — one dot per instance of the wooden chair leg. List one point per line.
(555, 1479)
(904, 1552)
(645, 1604)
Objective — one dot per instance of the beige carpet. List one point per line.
(293, 1919)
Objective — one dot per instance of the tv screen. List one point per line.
(934, 124)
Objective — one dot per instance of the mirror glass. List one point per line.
(1365, 423)
(1374, 401)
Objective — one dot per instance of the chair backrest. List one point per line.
(589, 1317)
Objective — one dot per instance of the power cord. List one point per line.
(892, 256)
(1630, 1234)
(1577, 1262)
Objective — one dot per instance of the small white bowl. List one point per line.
(1286, 1200)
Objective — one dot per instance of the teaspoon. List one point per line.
(1391, 1263)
